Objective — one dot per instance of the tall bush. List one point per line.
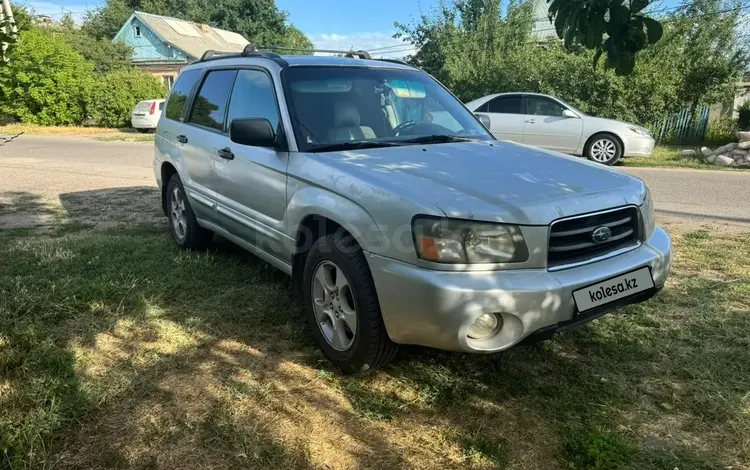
(46, 82)
(115, 95)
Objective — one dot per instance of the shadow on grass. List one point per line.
(117, 350)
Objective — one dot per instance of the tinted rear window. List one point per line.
(180, 92)
(211, 100)
(506, 105)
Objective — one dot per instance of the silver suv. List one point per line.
(399, 217)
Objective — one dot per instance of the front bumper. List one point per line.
(435, 308)
(638, 146)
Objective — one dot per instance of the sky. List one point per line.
(330, 24)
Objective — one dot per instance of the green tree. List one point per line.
(712, 58)
(114, 96)
(46, 81)
(475, 49)
(105, 22)
(105, 54)
(617, 28)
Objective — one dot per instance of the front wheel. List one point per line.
(342, 307)
(604, 149)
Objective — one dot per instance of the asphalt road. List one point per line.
(53, 165)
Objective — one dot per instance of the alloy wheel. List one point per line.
(178, 214)
(603, 150)
(334, 305)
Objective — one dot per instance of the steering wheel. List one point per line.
(403, 126)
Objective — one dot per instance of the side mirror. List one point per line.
(484, 119)
(256, 132)
(569, 114)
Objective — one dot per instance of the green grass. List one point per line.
(118, 350)
(668, 156)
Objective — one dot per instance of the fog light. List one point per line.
(485, 326)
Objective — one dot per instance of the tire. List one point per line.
(185, 229)
(369, 347)
(603, 148)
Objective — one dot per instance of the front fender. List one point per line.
(350, 215)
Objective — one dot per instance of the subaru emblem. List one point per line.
(601, 234)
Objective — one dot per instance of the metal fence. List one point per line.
(679, 129)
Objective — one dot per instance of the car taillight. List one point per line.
(153, 108)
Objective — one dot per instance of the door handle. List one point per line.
(531, 121)
(182, 139)
(226, 153)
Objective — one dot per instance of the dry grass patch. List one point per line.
(33, 129)
(118, 350)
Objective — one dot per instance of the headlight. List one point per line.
(647, 210)
(461, 241)
(639, 130)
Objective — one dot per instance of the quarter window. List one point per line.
(180, 92)
(211, 100)
(253, 96)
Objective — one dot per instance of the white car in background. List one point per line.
(551, 123)
(146, 115)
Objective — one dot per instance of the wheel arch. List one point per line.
(167, 171)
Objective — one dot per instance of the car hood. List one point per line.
(608, 123)
(491, 181)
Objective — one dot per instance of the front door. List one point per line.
(251, 181)
(506, 117)
(546, 127)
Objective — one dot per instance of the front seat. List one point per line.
(346, 126)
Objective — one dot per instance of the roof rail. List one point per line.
(395, 61)
(249, 51)
(351, 54)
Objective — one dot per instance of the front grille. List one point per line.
(571, 240)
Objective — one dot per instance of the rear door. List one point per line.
(203, 135)
(546, 127)
(506, 117)
(169, 133)
(251, 181)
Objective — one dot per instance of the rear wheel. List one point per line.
(185, 229)
(342, 307)
(603, 148)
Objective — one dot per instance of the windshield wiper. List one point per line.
(353, 145)
(435, 139)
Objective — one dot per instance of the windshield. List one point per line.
(343, 107)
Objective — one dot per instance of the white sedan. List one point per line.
(146, 115)
(551, 123)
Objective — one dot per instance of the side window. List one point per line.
(253, 96)
(506, 105)
(484, 108)
(543, 107)
(211, 101)
(180, 93)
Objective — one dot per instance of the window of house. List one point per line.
(137, 30)
(211, 100)
(168, 81)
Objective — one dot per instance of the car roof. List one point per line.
(300, 61)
